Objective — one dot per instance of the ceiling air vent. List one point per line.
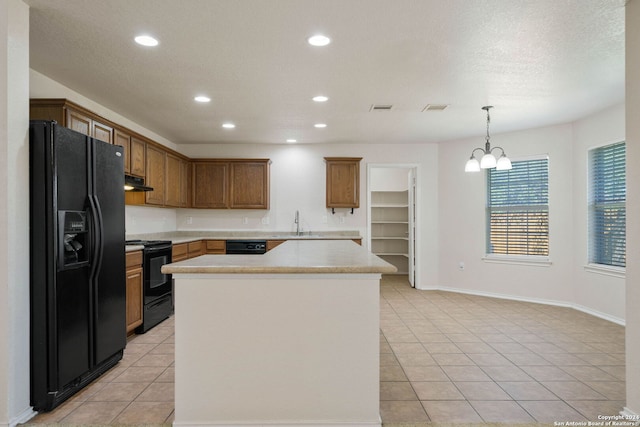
(435, 107)
(381, 107)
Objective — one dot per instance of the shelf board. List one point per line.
(388, 238)
(389, 222)
(391, 254)
(389, 205)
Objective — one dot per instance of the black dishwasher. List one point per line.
(251, 247)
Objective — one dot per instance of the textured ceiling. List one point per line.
(539, 62)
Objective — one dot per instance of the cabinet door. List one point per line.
(249, 185)
(210, 183)
(185, 184)
(172, 182)
(102, 132)
(124, 140)
(138, 157)
(134, 283)
(78, 122)
(155, 176)
(134, 298)
(216, 247)
(196, 248)
(179, 252)
(343, 182)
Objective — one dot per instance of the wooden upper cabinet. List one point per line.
(124, 140)
(138, 160)
(72, 116)
(230, 183)
(185, 184)
(172, 195)
(210, 184)
(79, 122)
(249, 185)
(156, 172)
(343, 182)
(102, 132)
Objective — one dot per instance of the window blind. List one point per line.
(518, 209)
(607, 205)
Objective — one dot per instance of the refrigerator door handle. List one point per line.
(98, 235)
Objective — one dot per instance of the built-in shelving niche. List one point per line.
(390, 227)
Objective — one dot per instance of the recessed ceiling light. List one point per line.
(202, 98)
(291, 140)
(320, 125)
(228, 125)
(319, 40)
(320, 98)
(145, 40)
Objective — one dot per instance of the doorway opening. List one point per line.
(392, 212)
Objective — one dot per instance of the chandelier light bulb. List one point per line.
(472, 165)
(488, 161)
(504, 164)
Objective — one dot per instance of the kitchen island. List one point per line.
(286, 338)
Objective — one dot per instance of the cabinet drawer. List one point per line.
(133, 259)
(216, 246)
(179, 250)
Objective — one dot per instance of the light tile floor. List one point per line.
(455, 358)
(139, 390)
(444, 357)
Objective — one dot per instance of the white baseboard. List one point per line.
(23, 417)
(629, 415)
(281, 424)
(592, 312)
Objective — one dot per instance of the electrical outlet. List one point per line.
(265, 220)
(324, 219)
(189, 220)
(245, 220)
(342, 219)
(461, 265)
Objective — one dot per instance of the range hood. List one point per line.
(133, 183)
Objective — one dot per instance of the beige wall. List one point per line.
(633, 205)
(462, 219)
(14, 212)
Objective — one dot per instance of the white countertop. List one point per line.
(193, 236)
(293, 256)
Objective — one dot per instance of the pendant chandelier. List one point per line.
(488, 160)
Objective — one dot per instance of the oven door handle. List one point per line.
(157, 249)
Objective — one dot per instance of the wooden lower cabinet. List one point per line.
(215, 247)
(273, 243)
(195, 249)
(179, 252)
(182, 251)
(134, 297)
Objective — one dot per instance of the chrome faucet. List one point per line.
(297, 222)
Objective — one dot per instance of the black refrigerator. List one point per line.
(78, 318)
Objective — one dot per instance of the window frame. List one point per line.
(519, 259)
(592, 266)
